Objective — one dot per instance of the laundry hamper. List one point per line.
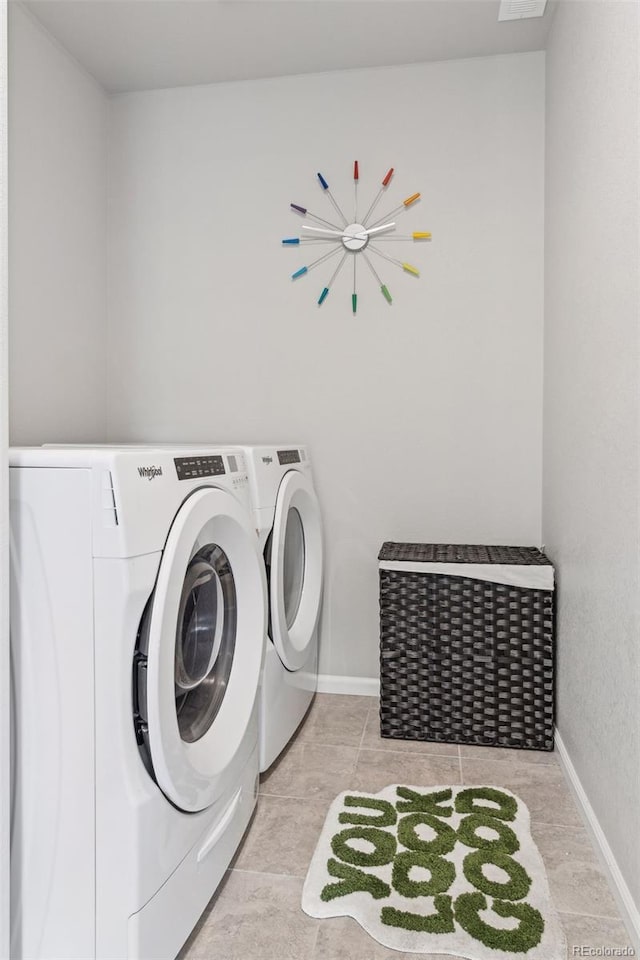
(467, 644)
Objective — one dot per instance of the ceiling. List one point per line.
(146, 44)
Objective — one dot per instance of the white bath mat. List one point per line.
(450, 870)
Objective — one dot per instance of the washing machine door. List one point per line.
(295, 583)
(203, 644)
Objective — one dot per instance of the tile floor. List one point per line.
(256, 914)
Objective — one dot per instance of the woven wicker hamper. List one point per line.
(467, 644)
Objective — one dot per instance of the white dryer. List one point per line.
(138, 620)
(289, 526)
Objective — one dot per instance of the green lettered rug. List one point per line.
(450, 870)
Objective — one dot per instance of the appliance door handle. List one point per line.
(220, 827)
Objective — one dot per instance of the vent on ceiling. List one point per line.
(521, 9)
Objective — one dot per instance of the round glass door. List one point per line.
(199, 652)
(205, 641)
(295, 569)
(293, 565)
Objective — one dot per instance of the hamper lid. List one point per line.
(462, 553)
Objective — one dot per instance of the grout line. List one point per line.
(312, 741)
(591, 916)
(364, 730)
(288, 796)
(520, 758)
(355, 762)
(411, 753)
(282, 796)
(526, 763)
(460, 762)
(269, 873)
(312, 951)
(563, 826)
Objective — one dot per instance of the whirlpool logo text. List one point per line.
(149, 473)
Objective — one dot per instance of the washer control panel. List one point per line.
(192, 468)
(288, 456)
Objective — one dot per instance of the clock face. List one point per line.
(356, 241)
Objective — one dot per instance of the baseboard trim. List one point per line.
(358, 686)
(628, 909)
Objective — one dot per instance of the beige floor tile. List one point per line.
(254, 917)
(378, 768)
(282, 836)
(336, 720)
(373, 741)
(187, 952)
(308, 769)
(541, 786)
(595, 933)
(507, 753)
(576, 880)
(342, 938)
(256, 913)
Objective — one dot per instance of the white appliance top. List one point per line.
(137, 490)
(267, 465)
(90, 455)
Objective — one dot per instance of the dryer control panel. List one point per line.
(192, 468)
(288, 456)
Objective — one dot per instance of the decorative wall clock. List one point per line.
(358, 238)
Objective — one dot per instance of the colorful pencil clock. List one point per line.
(358, 239)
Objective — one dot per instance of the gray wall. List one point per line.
(423, 418)
(5, 796)
(58, 234)
(591, 469)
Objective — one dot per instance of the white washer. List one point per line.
(138, 621)
(289, 526)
